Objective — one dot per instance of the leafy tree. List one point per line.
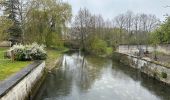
(46, 21)
(155, 41)
(82, 25)
(97, 46)
(164, 33)
(11, 11)
(4, 26)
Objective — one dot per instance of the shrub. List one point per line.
(164, 75)
(38, 52)
(98, 46)
(29, 52)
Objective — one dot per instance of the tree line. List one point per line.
(93, 31)
(46, 22)
(27, 21)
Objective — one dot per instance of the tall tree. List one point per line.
(82, 25)
(4, 26)
(46, 21)
(11, 11)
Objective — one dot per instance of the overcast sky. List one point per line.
(111, 8)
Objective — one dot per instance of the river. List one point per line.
(94, 78)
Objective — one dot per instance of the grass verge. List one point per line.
(7, 67)
(53, 55)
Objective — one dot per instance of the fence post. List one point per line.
(12, 56)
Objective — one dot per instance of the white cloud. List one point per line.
(111, 8)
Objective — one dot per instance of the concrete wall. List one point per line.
(132, 49)
(19, 87)
(148, 67)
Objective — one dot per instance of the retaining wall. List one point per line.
(151, 68)
(21, 85)
(132, 49)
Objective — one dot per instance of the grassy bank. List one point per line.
(109, 50)
(53, 55)
(7, 67)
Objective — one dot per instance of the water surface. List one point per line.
(93, 78)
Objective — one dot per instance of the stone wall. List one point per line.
(152, 69)
(5, 43)
(20, 86)
(132, 49)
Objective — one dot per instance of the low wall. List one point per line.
(21, 85)
(5, 43)
(131, 49)
(152, 69)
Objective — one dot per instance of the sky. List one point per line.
(111, 8)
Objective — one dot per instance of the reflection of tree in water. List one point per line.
(133, 73)
(56, 84)
(150, 84)
(156, 87)
(83, 70)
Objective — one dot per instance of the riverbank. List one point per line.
(24, 83)
(54, 57)
(147, 66)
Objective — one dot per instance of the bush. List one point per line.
(164, 75)
(29, 52)
(98, 46)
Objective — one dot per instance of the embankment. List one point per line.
(151, 68)
(23, 84)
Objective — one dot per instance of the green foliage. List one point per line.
(154, 38)
(164, 75)
(162, 34)
(165, 29)
(46, 26)
(110, 50)
(38, 55)
(11, 11)
(98, 46)
(7, 67)
(20, 55)
(53, 54)
(5, 24)
(29, 52)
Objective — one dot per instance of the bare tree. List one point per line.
(82, 24)
(129, 18)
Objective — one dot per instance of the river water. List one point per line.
(94, 78)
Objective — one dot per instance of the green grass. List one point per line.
(109, 50)
(7, 67)
(53, 55)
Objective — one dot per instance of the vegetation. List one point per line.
(164, 75)
(7, 67)
(98, 46)
(47, 25)
(41, 21)
(46, 22)
(161, 34)
(128, 28)
(11, 11)
(28, 52)
(4, 25)
(53, 55)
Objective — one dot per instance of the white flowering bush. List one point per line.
(29, 52)
(38, 52)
